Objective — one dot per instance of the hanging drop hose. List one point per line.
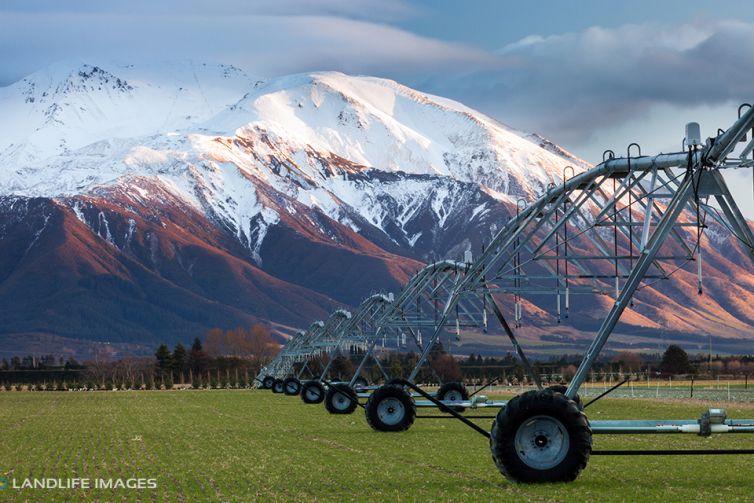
(565, 254)
(484, 299)
(695, 182)
(630, 215)
(615, 237)
(517, 279)
(557, 266)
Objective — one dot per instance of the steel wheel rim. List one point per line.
(542, 442)
(292, 387)
(453, 396)
(340, 401)
(312, 393)
(391, 411)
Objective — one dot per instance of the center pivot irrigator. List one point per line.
(612, 230)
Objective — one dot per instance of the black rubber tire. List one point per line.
(360, 382)
(312, 392)
(456, 388)
(291, 386)
(341, 399)
(390, 392)
(394, 381)
(267, 382)
(277, 386)
(560, 388)
(519, 413)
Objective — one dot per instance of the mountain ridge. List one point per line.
(319, 188)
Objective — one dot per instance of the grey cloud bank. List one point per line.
(580, 88)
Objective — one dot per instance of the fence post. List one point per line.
(692, 387)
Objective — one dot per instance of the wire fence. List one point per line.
(711, 389)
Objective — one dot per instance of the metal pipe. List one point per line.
(670, 452)
(468, 404)
(659, 426)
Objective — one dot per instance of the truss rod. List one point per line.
(647, 256)
(519, 350)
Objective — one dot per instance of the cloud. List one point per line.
(357, 9)
(570, 86)
(586, 90)
(265, 39)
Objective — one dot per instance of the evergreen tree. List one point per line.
(164, 359)
(198, 360)
(675, 360)
(71, 363)
(180, 358)
(197, 345)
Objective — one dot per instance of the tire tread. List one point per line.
(529, 404)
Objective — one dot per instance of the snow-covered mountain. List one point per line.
(360, 149)
(246, 196)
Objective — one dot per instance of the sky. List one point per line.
(589, 75)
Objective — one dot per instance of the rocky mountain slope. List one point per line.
(147, 204)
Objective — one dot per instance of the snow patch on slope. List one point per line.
(212, 136)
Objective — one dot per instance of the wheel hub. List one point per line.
(341, 402)
(542, 442)
(453, 396)
(391, 411)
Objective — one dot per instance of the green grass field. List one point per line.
(253, 445)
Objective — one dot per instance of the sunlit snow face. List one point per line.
(248, 152)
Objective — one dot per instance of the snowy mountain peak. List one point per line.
(247, 153)
(378, 123)
(72, 104)
(44, 87)
(192, 196)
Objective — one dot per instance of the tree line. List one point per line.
(232, 358)
(226, 358)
